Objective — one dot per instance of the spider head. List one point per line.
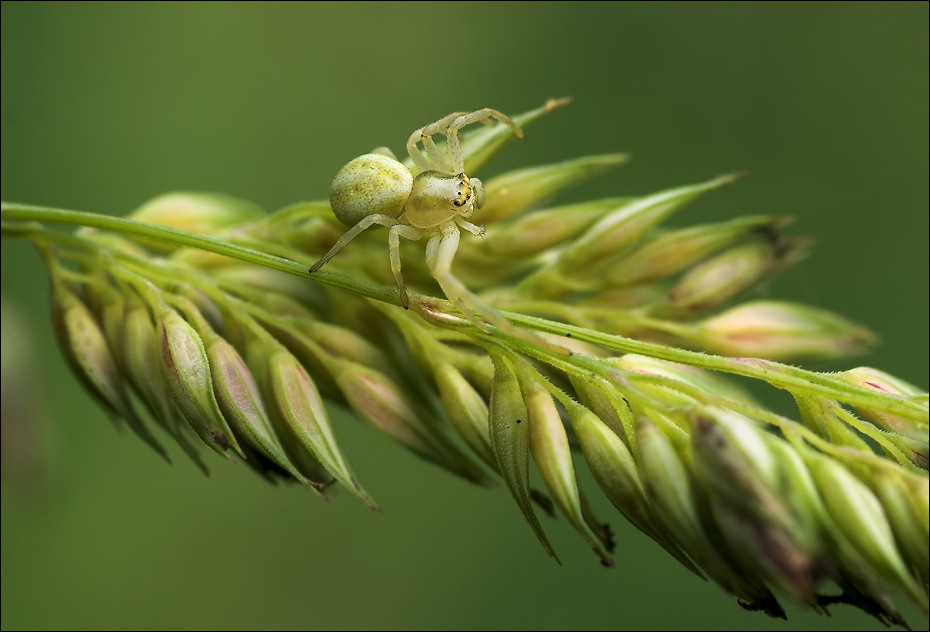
(468, 195)
(437, 197)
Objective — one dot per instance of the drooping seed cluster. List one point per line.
(247, 361)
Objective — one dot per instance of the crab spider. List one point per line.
(377, 188)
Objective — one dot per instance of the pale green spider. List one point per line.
(377, 188)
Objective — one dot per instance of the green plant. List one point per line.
(199, 308)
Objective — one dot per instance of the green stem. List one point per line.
(778, 375)
(24, 212)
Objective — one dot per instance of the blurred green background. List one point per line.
(106, 105)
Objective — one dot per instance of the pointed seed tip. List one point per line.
(554, 103)
(317, 489)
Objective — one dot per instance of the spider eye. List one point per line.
(462, 194)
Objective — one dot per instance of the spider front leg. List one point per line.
(452, 160)
(440, 251)
(433, 160)
(486, 116)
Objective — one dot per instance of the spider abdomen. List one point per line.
(370, 184)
